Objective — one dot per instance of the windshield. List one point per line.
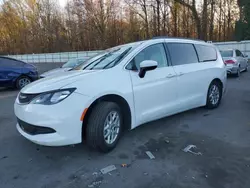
(73, 63)
(227, 53)
(109, 58)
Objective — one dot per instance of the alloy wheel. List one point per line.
(23, 82)
(111, 127)
(214, 95)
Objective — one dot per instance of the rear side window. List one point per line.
(4, 62)
(182, 53)
(206, 53)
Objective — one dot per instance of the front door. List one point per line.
(155, 95)
(241, 59)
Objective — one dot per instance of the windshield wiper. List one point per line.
(115, 61)
(100, 59)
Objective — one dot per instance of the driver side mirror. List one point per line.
(145, 66)
(245, 55)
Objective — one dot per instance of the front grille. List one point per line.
(26, 98)
(34, 130)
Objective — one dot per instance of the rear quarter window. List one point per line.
(182, 53)
(206, 53)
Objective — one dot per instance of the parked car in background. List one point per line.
(235, 61)
(120, 89)
(72, 63)
(16, 73)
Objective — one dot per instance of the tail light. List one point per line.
(230, 61)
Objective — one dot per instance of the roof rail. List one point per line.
(167, 37)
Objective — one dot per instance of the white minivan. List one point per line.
(120, 89)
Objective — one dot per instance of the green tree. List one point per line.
(242, 30)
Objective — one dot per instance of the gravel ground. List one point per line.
(221, 135)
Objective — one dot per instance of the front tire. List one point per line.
(238, 73)
(104, 126)
(214, 95)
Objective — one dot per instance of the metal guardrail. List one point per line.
(53, 57)
(63, 57)
(243, 46)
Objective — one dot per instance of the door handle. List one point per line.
(170, 75)
(180, 74)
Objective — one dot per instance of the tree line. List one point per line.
(42, 26)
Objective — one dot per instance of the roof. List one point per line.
(180, 38)
(4, 57)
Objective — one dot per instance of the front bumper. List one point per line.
(63, 118)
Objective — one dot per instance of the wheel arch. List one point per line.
(126, 111)
(19, 76)
(214, 80)
(219, 81)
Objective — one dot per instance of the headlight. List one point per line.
(52, 97)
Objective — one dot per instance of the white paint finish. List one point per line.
(155, 95)
(193, 80)
(57, 81)
(54, 71)
(162, 92)
(148, 63)
(63, 117)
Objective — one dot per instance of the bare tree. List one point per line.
(37, 26)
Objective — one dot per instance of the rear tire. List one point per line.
(22, 81)
(238, 73)
(214, 95)
(246, 69)
(100, 124)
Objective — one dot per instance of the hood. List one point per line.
(54, 71)
(57, 81)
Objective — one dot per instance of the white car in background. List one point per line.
(72, 63)
(120, 89)
(235, 61)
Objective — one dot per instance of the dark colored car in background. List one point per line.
(16, 73)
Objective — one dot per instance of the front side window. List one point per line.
(182, 53)
(238, 53)
(206, 53)
(154, 52)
